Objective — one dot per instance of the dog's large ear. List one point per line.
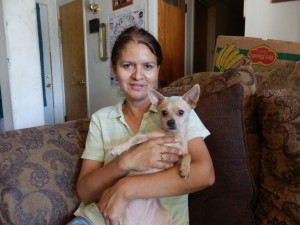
(192, 96)
(155, 97)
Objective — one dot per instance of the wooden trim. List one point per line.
(117, 4)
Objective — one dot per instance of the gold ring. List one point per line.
(162, 156)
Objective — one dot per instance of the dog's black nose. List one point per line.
(171, 124)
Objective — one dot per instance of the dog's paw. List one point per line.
(184, 171)
(118, 150)
(185, 166)
(113, 152)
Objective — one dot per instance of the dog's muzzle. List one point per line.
(171, 124)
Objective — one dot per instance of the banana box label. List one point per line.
(263, 53)
(228, 57)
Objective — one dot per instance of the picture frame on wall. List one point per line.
(274, 1)
(117, 4)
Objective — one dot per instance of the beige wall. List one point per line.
(280, 21)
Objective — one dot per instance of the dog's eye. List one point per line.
(164, 112)
(180, 112)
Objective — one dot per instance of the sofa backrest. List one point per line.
(38, 171)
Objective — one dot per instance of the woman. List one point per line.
(103, 186)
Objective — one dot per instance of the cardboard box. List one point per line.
(265, 54)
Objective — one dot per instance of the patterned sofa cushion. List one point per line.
(287, 76)
(212, 82)
(279, 119)
(38, 172)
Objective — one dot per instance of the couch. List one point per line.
(254, 119)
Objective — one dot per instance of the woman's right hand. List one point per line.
(152, 154)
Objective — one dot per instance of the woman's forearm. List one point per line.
(169, 182)
(95, 178)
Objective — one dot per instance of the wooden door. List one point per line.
(171, 33)
(71, 21)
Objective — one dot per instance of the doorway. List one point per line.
(200, 37)
(211, 19)
(51, 62)
(205, 21)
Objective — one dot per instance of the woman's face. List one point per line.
(136, 71)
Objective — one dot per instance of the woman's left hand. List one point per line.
(113, 203)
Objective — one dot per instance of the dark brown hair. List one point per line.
(138, 35)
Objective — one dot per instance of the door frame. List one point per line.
(58, 88)
(46, 70)
(189, 37)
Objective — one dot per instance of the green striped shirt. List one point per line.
(108, 128)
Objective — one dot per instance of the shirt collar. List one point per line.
(118, 112)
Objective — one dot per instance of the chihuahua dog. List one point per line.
(174, 116)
